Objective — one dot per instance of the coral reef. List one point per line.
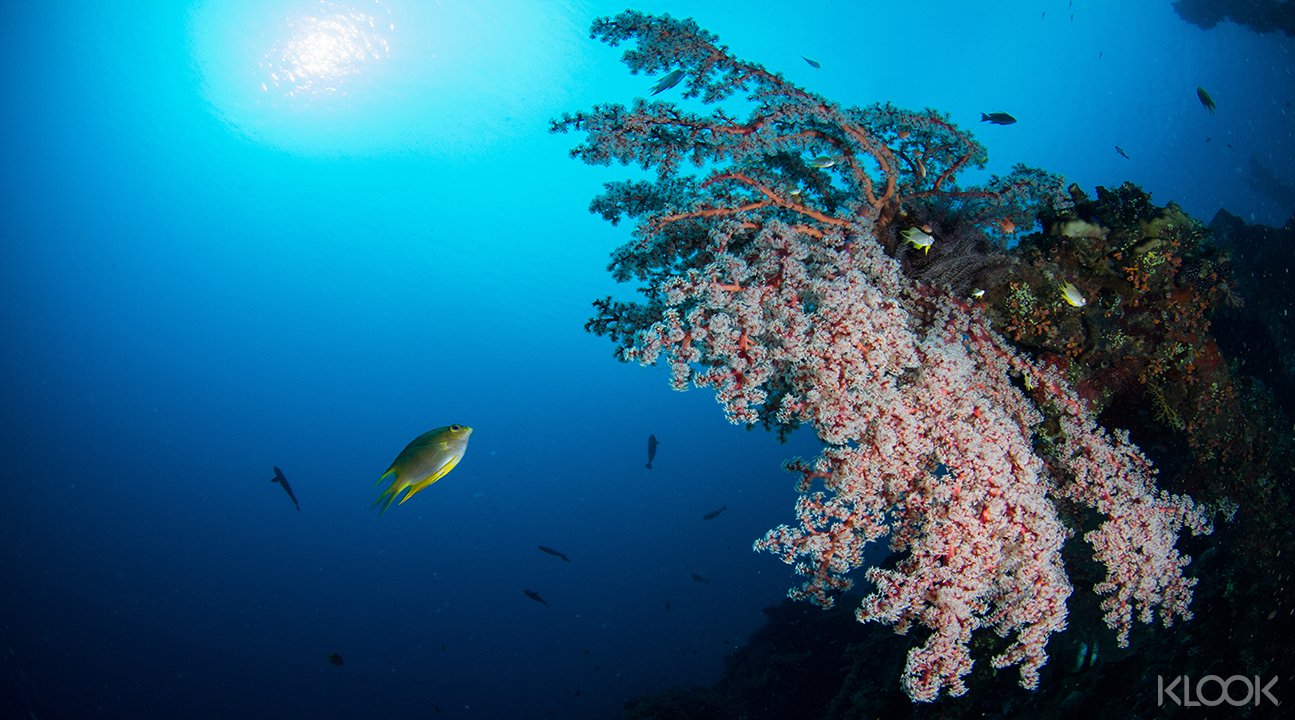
(779, 277)
(1259, 15)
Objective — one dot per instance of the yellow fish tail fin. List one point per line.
(388, 496)
(390, 471)
(383, 502)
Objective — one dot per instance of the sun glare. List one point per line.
(326, 47)
(370, 76)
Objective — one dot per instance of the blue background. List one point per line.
(199, 280)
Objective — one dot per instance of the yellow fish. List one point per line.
(918, 239)
(1071, 294)
(430, 457)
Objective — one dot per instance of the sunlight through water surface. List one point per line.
(321, 50)
(373, 76)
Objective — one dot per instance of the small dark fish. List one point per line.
(998, 118)
(699, 578)
(652, 443)
(554, 553)
(335, 659)
(1099, 54)
(1123, 154)
(667, 607)
(536, 597)
(713, 513)
(1205, 98)
(279, 478)
(667, 82)
(1045, 14)
(812, 64)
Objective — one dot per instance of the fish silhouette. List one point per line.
(555, 553)
(652, 443)
(667, 82)
(279, 478)
(1204, 96)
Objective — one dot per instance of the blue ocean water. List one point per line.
(202, 279)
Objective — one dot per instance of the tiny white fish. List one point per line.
(822, 162)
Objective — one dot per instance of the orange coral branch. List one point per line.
(776, 199)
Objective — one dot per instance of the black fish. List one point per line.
(699, 578)
(652, 443)
(1205, 98)
(553, 552)
(812, 64)
(335, 659)
(713, 513)
(998, 118)
(279, 478)
(536, 597)
(1123, 154)
(667, 606)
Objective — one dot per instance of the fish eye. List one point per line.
(455, 428)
